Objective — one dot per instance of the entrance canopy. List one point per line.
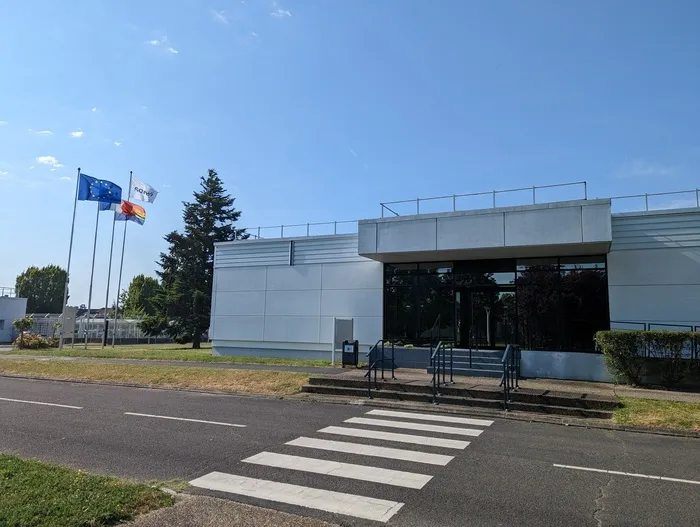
(581, 227)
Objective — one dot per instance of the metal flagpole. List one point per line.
(92, 274)
(109, 276)
(121, 265)
(70, 251)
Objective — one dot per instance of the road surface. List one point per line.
(356, 465)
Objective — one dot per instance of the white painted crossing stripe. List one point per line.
(415, 426)
(399, 438)
(184, 419)
(631, 474)
(432, 417)
(324, 500)
(397, 478)
(372, 451)
(42, 404)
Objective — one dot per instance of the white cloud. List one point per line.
(77, 133)
(31, 167)
(48, 160)
(173, 51)
(3, 123)
(65, 178)
(117, 143)
(220, 16)
(3, 173)
(253, 33)
(643, 168)
(158, 41)
(278, 12)
(43, 132)
(94, 108)
(58, 165)
(166, 186)
(352, 152)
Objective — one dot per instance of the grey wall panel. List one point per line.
(656, 230)
(472, 231)
(367, 238)
(558, 365)
(368, 330)
(351, 302)
(544, 226)
(238, 327)
(671, 266)
(671, 304)
(294, 277)
(298, 329)
(239, 303)
(294, 303)
(240, 279)
(408, 235)
(252, 253)
(597, 224)
(367, 274)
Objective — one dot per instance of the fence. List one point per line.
(7, 291)
(126, 332)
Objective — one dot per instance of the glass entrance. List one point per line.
(485, 317)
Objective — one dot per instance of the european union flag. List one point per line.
(93, 189)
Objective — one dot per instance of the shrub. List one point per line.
(633, 355)
(622, 354)
(35, 342)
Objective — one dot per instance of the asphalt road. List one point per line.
(506, 476)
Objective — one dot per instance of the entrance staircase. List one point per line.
(479, 363)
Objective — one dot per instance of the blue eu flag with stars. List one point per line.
(93, 189)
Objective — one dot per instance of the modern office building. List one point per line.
(545, 276)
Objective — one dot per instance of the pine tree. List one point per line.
(187, 269)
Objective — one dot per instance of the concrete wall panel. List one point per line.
(294, 277)
(240, 279)
(351, 302)
(301, 303)
(475, 231)
(239, 303)
(292, 329)
(544, 226)
(597, 224)
(407, 235)
(238, 327)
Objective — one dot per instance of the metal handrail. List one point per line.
(493, 193)
(372, 365)
(438, 358)
(258, 230)
(511, 372)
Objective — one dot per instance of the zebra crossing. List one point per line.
(383, 438)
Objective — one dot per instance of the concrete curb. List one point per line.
(344, 400)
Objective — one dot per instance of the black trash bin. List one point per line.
(351, 351)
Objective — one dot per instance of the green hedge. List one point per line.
(634, 355)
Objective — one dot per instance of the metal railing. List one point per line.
(688, 202)
(7, 291)
(306, 228)
(511, 372)
(314, 228)
(492, 193)
(373, 364)
(438, 361)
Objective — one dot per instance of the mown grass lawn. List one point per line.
(659, 414)
(217, 379)
(34, 494)
(163, 352)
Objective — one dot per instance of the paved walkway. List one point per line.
(553, 386)
(311, 370)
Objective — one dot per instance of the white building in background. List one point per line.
(11, 308)
(546, 276)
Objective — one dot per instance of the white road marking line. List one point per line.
(631, 474)
(372, 451)
(433, 417)
(415, 426)
(397, 478)
(42, 404)
(399, 438)
(184, 419)
(324, 500)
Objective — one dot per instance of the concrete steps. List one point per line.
(490, 397)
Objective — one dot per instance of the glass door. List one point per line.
(485, 317)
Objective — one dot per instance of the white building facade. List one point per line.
(544, 276)
(11, 308)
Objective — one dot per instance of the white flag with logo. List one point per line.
(141, 191)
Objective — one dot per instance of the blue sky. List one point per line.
(317, 110)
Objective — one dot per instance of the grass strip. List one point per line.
(164, 352)
(41, 495)
(658, 414)
(227, 380)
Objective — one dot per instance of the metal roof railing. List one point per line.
(7, 291)
(692, 199)
(332, 227)
(492, 193)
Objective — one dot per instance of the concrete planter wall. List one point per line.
(564, 365)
